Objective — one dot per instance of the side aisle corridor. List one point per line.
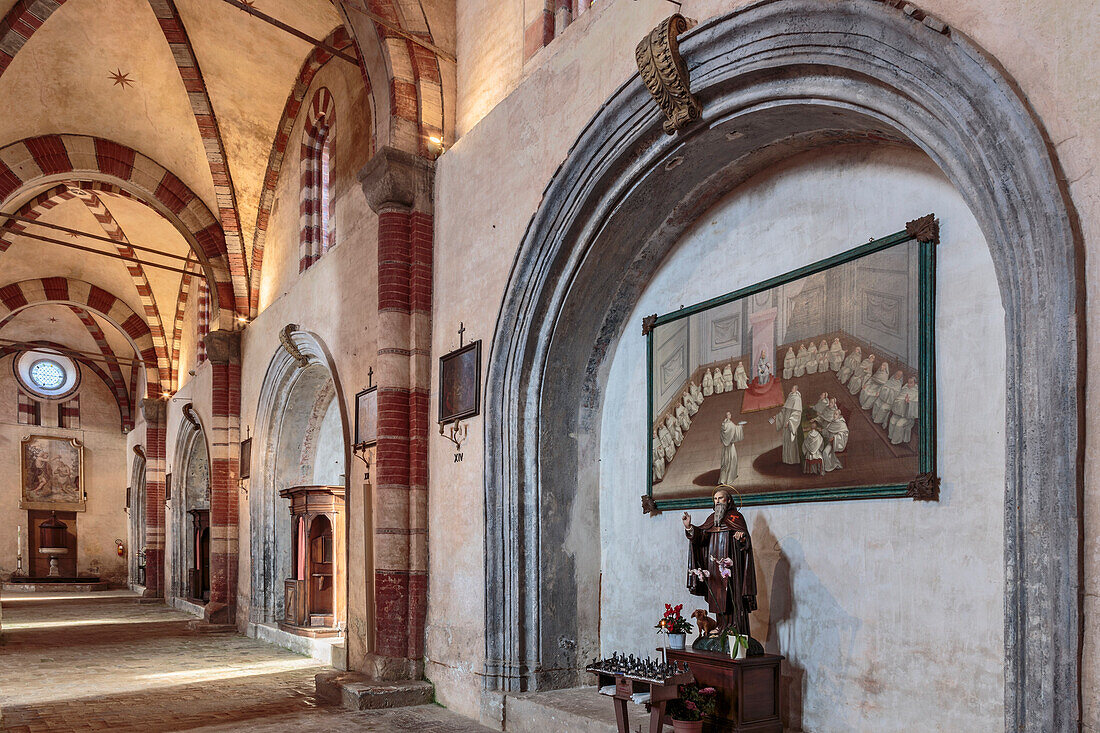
(107, 661)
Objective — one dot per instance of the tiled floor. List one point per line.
(106, 662)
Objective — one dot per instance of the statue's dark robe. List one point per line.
(732, 599)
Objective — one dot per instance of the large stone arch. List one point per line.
(300, 385)
(775, 79)
(40, 162)
(15, 297)
(137, 516)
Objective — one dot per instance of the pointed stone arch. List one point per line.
(42, 161)
(775, 79)
(29, 293)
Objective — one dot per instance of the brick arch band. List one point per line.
(29, 293)
(125, 409)
(65, 157)
(778, 74)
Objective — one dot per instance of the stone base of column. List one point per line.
(379, 667)
(217, 613)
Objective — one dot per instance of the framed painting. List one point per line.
(460, 383)
(366, 417)
(52, 473)
(168, 487)
(815, 385)
(246, 458)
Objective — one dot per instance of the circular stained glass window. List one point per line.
(47, 374)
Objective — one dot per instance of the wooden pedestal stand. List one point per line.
(659, 694)
(749, 688)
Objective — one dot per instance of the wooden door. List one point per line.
(39, 563)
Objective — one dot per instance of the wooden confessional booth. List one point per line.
(314, 600)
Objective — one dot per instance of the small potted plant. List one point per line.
(694, 704)
(675, 625)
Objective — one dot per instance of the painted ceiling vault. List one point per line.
(151, 130)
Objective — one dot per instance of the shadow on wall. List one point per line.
(801, 620)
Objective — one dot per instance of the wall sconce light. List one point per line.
(435, 146)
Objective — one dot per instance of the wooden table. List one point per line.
(659, 695)
(749, 702)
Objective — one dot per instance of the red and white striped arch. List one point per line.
(125, 408)
(57, 158)
(24, 18)
(118, 383)
(315, 226)
(318, 58)
(28, 293)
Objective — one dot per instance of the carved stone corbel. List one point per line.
(925, 487)
(665, 74)
(288, 344)
(925, 229)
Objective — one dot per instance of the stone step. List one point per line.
(577, 710)
(355, 691)
(203, 627)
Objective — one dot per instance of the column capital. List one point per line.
(395, 179)
(153, 410)
(223, 347)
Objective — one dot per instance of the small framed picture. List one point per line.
(246, 458)
(167, 486)
(366, 417)
(460, 383)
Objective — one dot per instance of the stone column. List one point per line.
(154, 411)
(398, 187)
(223, 350)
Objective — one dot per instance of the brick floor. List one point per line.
(111, 663)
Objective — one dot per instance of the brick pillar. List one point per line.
(398, 188)
(154, 411)
(223, 350)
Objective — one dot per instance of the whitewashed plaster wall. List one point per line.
(860, 596)
(517, 122)
(105, 477)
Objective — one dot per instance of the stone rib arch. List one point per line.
(49, 159)
(413, 109)
(788, 75)
(190, 457)
(125, 409)
(18, 296)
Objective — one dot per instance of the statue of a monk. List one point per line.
(720, 564)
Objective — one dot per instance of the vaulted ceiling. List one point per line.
(108, 134)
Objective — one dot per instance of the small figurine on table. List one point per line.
(721, 568)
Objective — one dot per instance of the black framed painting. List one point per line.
(366, 417)
(814, 385)
(168, 487)
(460, 383)
(246, 458)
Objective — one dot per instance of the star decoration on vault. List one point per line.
(120, 79)
(249, 3)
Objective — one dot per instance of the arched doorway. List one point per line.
(137, 520)
(301, 445)
(775, 80)
(189, 532)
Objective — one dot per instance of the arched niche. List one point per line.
(137, 518)
(301, 439)
(189, 534)
(778, 79)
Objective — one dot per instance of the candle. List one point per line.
(19, 535)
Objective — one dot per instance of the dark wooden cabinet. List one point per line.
(749, 689)
(39, 563)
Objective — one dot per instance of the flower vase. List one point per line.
(687, 726)
(739, 646)
(677, 641)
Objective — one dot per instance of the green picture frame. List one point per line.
(923, 234)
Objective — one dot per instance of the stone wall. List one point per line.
(105, 477)
(858, 595)
(517, 122)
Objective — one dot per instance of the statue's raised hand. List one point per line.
(686, 519)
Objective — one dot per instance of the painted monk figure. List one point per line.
(720, 564)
